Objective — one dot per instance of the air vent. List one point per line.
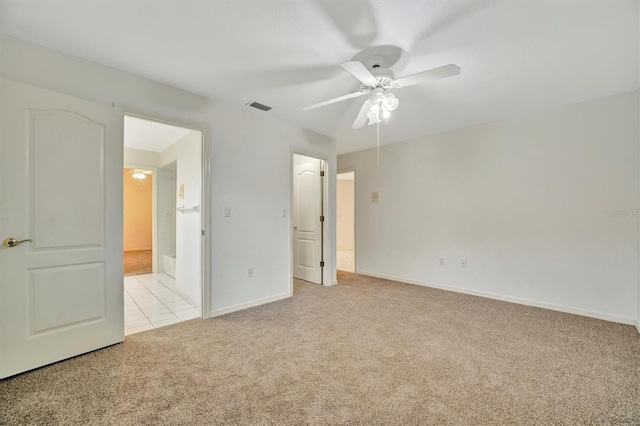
(260, 106)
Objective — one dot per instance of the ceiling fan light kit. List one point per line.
(139, 174)
(377, 81)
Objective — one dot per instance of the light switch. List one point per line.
(181, 191)
(227, 212)
(284, 212)
(375, 197)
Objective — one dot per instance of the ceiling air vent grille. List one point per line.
(260, 106)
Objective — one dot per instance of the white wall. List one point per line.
(188, 224)
(140, 157)
(250, 165)
(166, 213)
(345, 214)
(524, 200)
(638, 306)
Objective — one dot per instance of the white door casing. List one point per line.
(307, 227)
(61, 294)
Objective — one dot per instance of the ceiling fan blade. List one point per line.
(362, 115)
(334, 100)
(432, 74)
(359, 71)
(355, 20)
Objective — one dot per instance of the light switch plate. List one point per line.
(375, 197)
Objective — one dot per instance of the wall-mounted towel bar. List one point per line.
(184, 209)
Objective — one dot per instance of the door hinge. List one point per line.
(203, 232)
(321, 173)
(322, 263)
(321, 218)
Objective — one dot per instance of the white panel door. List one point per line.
(307, 227)
(61, 294)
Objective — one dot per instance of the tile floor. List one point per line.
(150, 301)
(345, 260)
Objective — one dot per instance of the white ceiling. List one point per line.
(151, 135)
(516, 56)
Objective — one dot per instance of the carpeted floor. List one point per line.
(137, 262)
(365, 352)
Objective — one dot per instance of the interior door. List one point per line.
(61, 293)
(307, 225)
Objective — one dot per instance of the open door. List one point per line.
(308, 218)
(61, 287)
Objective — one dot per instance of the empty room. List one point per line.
(416, 212)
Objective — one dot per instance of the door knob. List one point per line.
(295, 228)
(12, 242)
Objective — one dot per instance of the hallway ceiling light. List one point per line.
(139, 174)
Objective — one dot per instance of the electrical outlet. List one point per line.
(441, 263)
(251, 272)
(463, 263)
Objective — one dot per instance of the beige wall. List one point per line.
(137, 212)
(345, 213)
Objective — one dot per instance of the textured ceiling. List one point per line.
(516, 56)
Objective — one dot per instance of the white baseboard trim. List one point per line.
(527, 302)
(638, 326)
(247, 305)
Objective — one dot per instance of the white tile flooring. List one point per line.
(150, 301)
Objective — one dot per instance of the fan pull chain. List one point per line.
(378, 144)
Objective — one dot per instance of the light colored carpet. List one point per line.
(137, 262)
(365, 352)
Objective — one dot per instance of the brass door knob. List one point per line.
(12, 242)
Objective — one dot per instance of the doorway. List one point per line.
(168, 175)
(308, 218)
(137, 220)
(345, 227)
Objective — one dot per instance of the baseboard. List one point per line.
(247, 305)
(638, 326)
(520, 301)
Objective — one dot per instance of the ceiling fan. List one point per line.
(140, 174)
(376, 82)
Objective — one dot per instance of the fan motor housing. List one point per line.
(384, 77)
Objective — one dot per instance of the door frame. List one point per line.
(328, 253)
(205, 196)
(355, 216)
(154, 223)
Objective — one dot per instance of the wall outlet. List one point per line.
(441, 262)
(250, 272)
(463, 263)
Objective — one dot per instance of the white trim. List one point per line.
(517, 300)
(638, 326)
(252, 304)
(205, 206)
